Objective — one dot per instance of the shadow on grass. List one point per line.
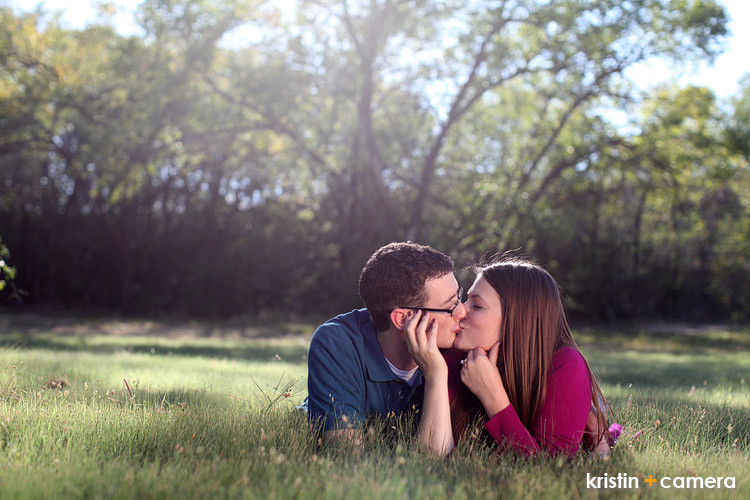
(667, 370)
(236, 328)
(100, 345)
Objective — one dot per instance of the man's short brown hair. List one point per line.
(395, 276)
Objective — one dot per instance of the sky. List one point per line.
(721, 76)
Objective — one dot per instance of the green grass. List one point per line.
(207, 417)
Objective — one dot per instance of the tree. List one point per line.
(395, 81)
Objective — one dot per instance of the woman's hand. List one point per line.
(481, 375)
(435, 431)
(421, 338)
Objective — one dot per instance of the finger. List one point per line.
(432, 336)
(409, 320)
(494, 353)
(410, 328)
(470, 356)
(421, 333)
(479, 353)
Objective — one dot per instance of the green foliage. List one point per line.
(8, 273)
(738, 132)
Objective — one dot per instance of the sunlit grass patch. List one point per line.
(672, 338)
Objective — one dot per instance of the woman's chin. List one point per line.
(460, 346)
(464, 347)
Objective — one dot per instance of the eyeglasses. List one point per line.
(459, 296)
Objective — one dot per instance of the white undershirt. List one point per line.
(408, 376)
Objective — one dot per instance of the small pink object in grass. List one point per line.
(615, 430)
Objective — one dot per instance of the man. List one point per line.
(359, 364)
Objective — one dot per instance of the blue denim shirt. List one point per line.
(349, 379)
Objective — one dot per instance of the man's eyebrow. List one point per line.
(450, 299)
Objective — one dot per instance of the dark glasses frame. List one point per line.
(459, 296)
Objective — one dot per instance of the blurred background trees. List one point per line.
(183, 171)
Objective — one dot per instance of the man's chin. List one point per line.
(448, 343)
(455, 338)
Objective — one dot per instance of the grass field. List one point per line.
(93, 409)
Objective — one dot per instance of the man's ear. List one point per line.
(398, 318)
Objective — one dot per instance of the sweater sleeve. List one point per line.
(559, 426)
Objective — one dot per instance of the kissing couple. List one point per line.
(501, 360)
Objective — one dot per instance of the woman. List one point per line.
(514, 362)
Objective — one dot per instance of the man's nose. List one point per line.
(461, 311)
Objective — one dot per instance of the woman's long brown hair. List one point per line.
(534, 327)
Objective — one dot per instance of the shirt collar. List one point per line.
(377, 366)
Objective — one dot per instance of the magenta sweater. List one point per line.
(561, 420)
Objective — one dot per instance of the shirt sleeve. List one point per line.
(335, 387)
(560, 423)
